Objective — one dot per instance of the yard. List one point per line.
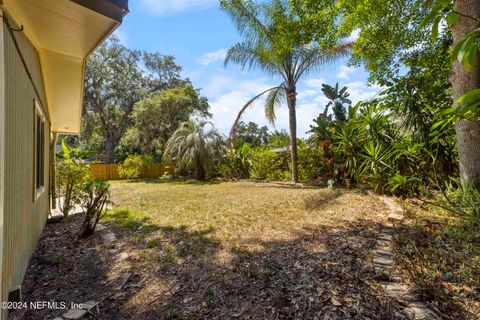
(248, 250)
(245, 250)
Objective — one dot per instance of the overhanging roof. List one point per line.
(65, 32)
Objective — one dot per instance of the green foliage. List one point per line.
(272, 42)
(156, 118)
(279, 139)
(310, 159)
(115, 80)
(69, 177)
(134, 166)
(70, 174)
(95, 198)
(338, 99)
(237, 163)
(464, 200)
(252, 134)
(265, 164)
(374, 166)
(71, 154)
(407, 186)
(194, 148)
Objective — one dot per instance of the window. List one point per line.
(39, 151)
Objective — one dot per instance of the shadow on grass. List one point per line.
(282, 184)
(178, 240)
(131, 220)
(321, 200)
(181, 181)
(320, 272)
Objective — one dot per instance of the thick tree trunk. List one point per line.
(110, 146)
(468, 132)
(292, 117)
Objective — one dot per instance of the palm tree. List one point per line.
(262, 49)
(194, 147)
(338, 98)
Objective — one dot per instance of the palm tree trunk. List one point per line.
(292, 117)
(468, 132)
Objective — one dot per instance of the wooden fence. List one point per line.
(106, 171)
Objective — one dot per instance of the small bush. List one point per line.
(309, 163)
(134, 166)
(280, 175)
(69, 177)
(404, 186)
(264, 162)
(95, 197)
(236, 164)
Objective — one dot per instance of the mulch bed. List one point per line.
(65, 270)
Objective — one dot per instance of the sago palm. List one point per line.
(194, 147)
(263, 49)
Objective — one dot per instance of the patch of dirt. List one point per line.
(65, 270)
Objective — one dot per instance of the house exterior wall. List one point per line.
(2, 153)
(24, 214)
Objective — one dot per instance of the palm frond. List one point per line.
(193, 147)
(314, 58)
(275, 98)
(233, 131)
(246, 16)
(249, 55)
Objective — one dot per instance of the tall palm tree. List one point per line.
(260, 24)
(194, 147)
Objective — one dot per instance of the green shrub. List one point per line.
(309, 163)
(465, 200)
(280, 175)
(236, 164)
(404, 186)
(70, 174)
(134, 166)
(95, 196)
(264, 162)
(69, 177)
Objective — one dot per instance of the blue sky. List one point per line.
(198, 34)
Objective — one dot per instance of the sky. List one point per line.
(198, 34)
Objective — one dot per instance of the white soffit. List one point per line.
(64, 34)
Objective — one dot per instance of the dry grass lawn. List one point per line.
(247, 250)
(238, 213)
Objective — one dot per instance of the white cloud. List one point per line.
(315, 82)
(354, 35)
(211, 57)
(359, 91)
(345, 72)
(228, 95)
(161, 7)
(306, 94)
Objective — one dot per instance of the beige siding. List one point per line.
(2, 144)
(24, 217)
